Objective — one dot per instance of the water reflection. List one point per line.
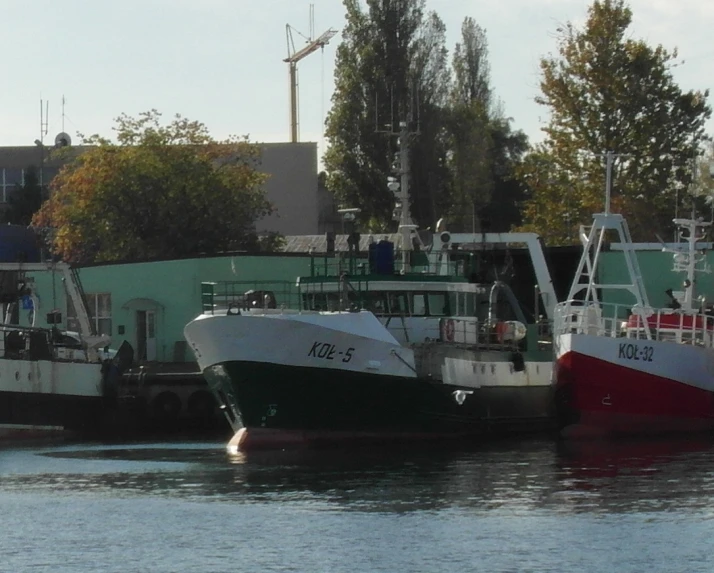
(642, 475)
(512, 477)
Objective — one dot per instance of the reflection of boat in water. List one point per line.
(637, 474)
(613, 457)
(372, 350)
(633, 369)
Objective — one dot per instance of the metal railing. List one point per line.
(33, 343)
(470, 332)
(245, 295)
(620, 320)
(354, 265)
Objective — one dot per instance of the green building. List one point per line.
(149, 303)
(657, 274)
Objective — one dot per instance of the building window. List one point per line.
(99, 307)
(9, 179)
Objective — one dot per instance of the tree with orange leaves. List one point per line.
(160, 191)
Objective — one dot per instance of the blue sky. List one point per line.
(220, 61)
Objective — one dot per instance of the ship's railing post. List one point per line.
(208, 297)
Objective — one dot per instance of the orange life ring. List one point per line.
(449, 330)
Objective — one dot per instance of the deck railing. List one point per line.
(285, 297)
(357, 265)
(33, 343)
(619, 320)
(244, 295)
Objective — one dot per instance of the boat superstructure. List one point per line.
(46, 386)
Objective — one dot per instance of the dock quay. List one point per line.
(164, 398)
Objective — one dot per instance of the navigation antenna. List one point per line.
(40, 143)
(294, 56)
(399, 182)
(44, 119)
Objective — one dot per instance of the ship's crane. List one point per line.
(294, 56)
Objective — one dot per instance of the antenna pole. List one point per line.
(608, 181)
(44, 119)
(693, 185)
(405, 222)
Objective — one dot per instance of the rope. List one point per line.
(394, 353)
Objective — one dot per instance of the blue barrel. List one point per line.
(381, 258)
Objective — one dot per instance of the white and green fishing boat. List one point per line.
(384, 343)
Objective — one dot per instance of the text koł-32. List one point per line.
(631, 351)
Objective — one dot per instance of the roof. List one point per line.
(22, 156)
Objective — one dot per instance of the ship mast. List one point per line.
(406, 225)
(690, 261)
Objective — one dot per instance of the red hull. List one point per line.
(17, 432)
(595, 398)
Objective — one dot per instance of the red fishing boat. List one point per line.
(632, 368)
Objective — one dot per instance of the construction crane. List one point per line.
(293, 58)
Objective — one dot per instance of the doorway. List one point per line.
(146, 335)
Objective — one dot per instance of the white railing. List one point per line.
(33, 343)
(620, 320)
(467, 331)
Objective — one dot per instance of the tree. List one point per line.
(704, 182)
(470, 144)
(26, 200)
(484, 151)
(390, 67)
(608, 92)
(160, 191)
(503, 212)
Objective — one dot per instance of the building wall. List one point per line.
(291, 187)
(172, 289)
(14, 162)
(657, 275)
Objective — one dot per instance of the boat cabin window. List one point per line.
(468, 305)
(438, 304)
(398, 303)
(418, 304)
(376, 302)
(321, 301)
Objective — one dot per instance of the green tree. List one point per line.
(390, 67)
(484, 151)
(503, 212)
(26, 199)
(160, 191)
(704, 181)
(468, 125)
(609, 92)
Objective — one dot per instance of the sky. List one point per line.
(221, 61)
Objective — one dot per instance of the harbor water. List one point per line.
(534, 505)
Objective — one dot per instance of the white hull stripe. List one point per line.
(685, 363)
